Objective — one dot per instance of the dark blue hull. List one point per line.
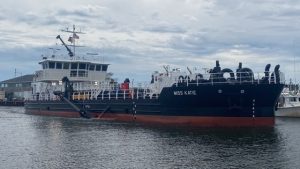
(229, 101)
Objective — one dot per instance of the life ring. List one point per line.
(245, 74)
(227, 70)
(181, 79)
(199, 77)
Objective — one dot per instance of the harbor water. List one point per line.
(28, 141)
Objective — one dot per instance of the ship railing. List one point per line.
(238, 78)
(104, 95)
(43, 97)
(134, 93)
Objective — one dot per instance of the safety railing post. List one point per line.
(240, 78)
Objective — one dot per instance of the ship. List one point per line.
(81, 88)
(289, 102)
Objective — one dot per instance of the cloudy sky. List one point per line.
(139, 36)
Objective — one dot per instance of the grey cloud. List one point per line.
(76, 13)
(197, 43)
(165, 29)
(290, 12)
(261, 28)
(98, 16)
(51, 20)
(87, 11)
(36, 19)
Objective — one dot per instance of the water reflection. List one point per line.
(219, 147)
(50, 142)
(85, 143)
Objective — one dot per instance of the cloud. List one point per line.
(164, 28)
(83, 11)
(140, 36)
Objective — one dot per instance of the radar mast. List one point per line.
(72, 39)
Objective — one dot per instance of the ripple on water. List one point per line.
(50, 142)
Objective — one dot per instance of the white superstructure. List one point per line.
(85, 75)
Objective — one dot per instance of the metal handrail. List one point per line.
(215, 78)
(105, 91)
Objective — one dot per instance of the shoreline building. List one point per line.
(18, 88)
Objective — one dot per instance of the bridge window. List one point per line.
(51, 65)
(82, 65)
(104, 67)
(92, 67)
(98, 67)
(45, 65)
(66, 65)
(73, 73)
(74, 65)
(82, 73)
(58, 65)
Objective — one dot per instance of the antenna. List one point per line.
(294, 63)
(72, 39)
(18, 72)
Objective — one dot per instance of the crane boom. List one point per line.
(71, 54)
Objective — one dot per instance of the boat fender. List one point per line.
(267, 71)
(265, 79)
(276, 73)
(276, 69)
(267, 68)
